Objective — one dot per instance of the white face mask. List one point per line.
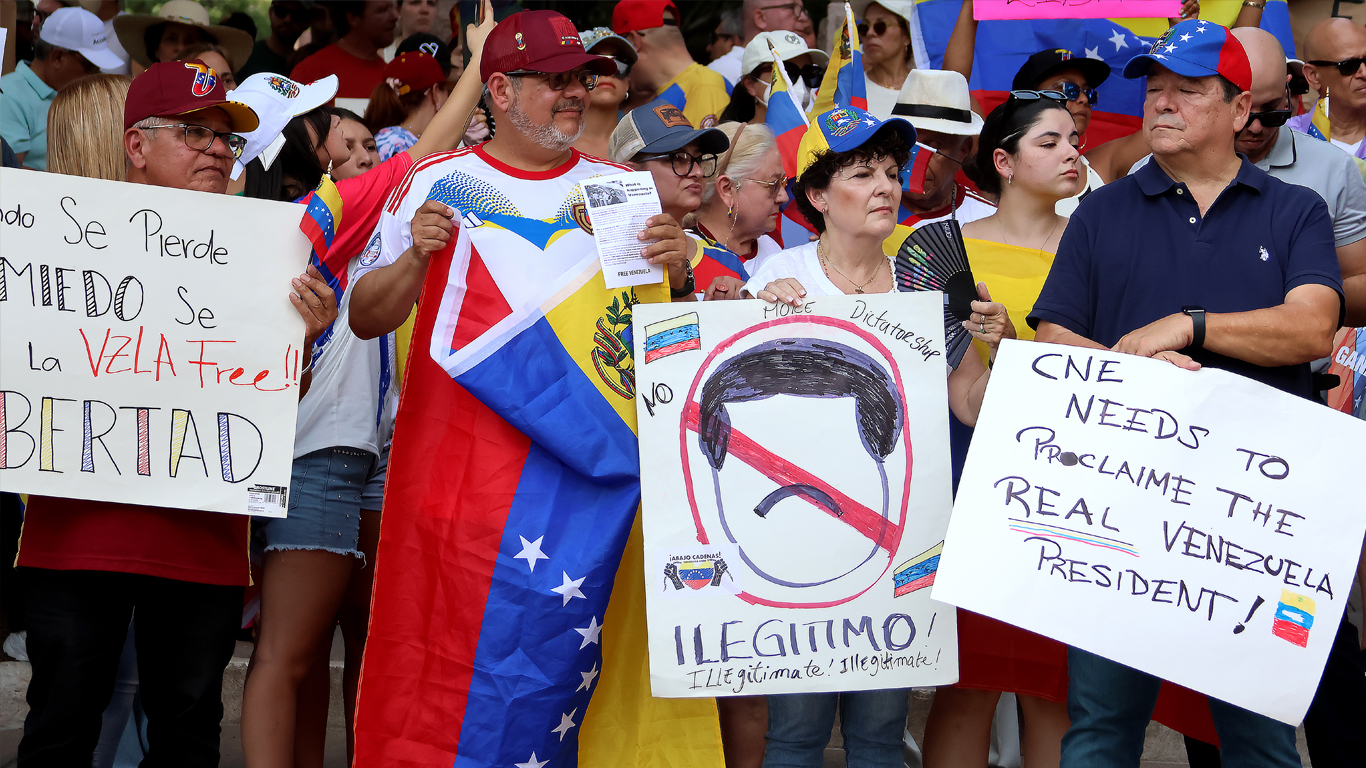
(804, 96)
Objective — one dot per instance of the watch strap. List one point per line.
(1197, 316)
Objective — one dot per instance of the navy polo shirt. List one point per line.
(1138, 250)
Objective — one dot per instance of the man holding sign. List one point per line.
(88, 565)
(1197, 229)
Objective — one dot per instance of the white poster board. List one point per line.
(1188, 524)
(801, 562)
(149, 353)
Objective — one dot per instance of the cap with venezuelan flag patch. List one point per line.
(843, 129)
(1196, 48)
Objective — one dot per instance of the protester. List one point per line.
(359, 142)
(605, 100)
(1076, 79)
(939, 105)
(216, 56)
(889, 33)
(288, 19)
(85, 128)
(401, 106)
(757, 16)
(179, 25)
(70, 45)
(365, 27)
(847, 187)
(728, 34)
(741, 204)
(1027, 157)
(1122, 278)
(1333, 66)
(664, 67)
(804, 67)
(414, 17)
(422, 42)
(89, 565)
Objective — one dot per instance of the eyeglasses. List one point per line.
(1272, 118)
(558, 81)
(1073, 92)
(683, 163)
(797, 9)
(199, 138)
(773, 186)
(879, 28)
(1346, 67)
(623, 68)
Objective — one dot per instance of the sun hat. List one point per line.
(130, 29)
(938, 100)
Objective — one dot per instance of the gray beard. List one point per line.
(547, 136)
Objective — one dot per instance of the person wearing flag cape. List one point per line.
(514, 473)
(848, 187)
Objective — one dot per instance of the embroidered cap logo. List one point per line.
(840, 122)
(204, 80)
(287, 88)
(521, 44)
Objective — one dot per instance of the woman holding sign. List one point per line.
(1027, 155)
(848, 187)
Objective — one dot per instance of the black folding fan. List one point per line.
(932, 258)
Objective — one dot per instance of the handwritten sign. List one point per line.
(986, 10)
(1188, 524)
(795, 486)
(148, 350)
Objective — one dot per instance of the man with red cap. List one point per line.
(664, 67)
(89, 565)
(1198, 258)
(493, 237)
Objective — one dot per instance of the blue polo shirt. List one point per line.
(1138, 250)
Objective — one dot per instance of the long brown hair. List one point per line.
(387, 108)
(85, 128)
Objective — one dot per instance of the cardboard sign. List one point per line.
(985, 10)
(1188, 524)
(795, 484)
(149, 353)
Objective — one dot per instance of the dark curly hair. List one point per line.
(886, 142)
(1003, 129)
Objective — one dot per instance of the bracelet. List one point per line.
(1254, 4)
(689, 286)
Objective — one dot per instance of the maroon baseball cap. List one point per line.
(175, 88)
(541, 41)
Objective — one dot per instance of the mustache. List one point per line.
(567, 104)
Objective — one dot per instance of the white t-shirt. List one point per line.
(802, 263)
(880, 100)
(766, 247)
(728, 65)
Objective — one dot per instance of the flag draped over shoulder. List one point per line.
(513, 489)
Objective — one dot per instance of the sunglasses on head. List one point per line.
(1073, 92)
(1346, 67)
(878, 28)
(1036, 95)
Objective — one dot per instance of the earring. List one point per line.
(730, 212)
(1010, 177)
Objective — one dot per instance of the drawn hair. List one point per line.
(805, 368)
(85, 128)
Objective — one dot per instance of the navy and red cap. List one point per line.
(1196, 48)
(540, 41)
(176, 88)
(416, 71)
(635, 15)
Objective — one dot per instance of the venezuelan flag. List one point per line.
(669, 337)
(916, 168)
(511, 448)
(785, 117)
(1294, 618)
(843, 84)
(322, 218)
(918, 572)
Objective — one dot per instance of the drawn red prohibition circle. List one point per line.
(783, 472)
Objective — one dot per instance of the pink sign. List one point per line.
(1075, 9)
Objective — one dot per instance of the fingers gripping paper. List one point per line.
(795, 490)
(1187, 524)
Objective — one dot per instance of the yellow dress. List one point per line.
(1013, 275)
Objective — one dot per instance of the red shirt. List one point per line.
(358, 76)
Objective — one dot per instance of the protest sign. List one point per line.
(149, 353)
(1188, 524)
(986, 10)
(795, 486)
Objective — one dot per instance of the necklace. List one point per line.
(1002, 227)
(827, 266)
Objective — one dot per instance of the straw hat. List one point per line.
(131, 29)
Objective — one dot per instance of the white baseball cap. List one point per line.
(789, 45)
(276, 100)
(79, 30)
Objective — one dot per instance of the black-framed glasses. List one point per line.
(879, 28)
(1073, 92)
(558, 81)
(1272, 118)
(1346, 67)
(200, 138)
(682, 162)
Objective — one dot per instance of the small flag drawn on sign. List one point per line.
(669, 337)
(918, 572)
(1294, 618)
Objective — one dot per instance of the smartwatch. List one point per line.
(1197, 316)
(690, 287)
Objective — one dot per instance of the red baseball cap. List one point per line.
(416, 71)
(541, 41)
(635, 15)
(175, 88)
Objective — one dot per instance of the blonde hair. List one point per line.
(85, 128)
(755, 144)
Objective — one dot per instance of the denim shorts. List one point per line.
(373, 496)
(324, 503)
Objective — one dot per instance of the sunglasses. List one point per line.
(623, 68)
(558, 81)
(1346, 67)
(1073, 92)
(1036, 95)
(1272, 118)
(810, 74)
(879, 28)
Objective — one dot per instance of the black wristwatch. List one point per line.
(1197, 316)
(689, 286)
